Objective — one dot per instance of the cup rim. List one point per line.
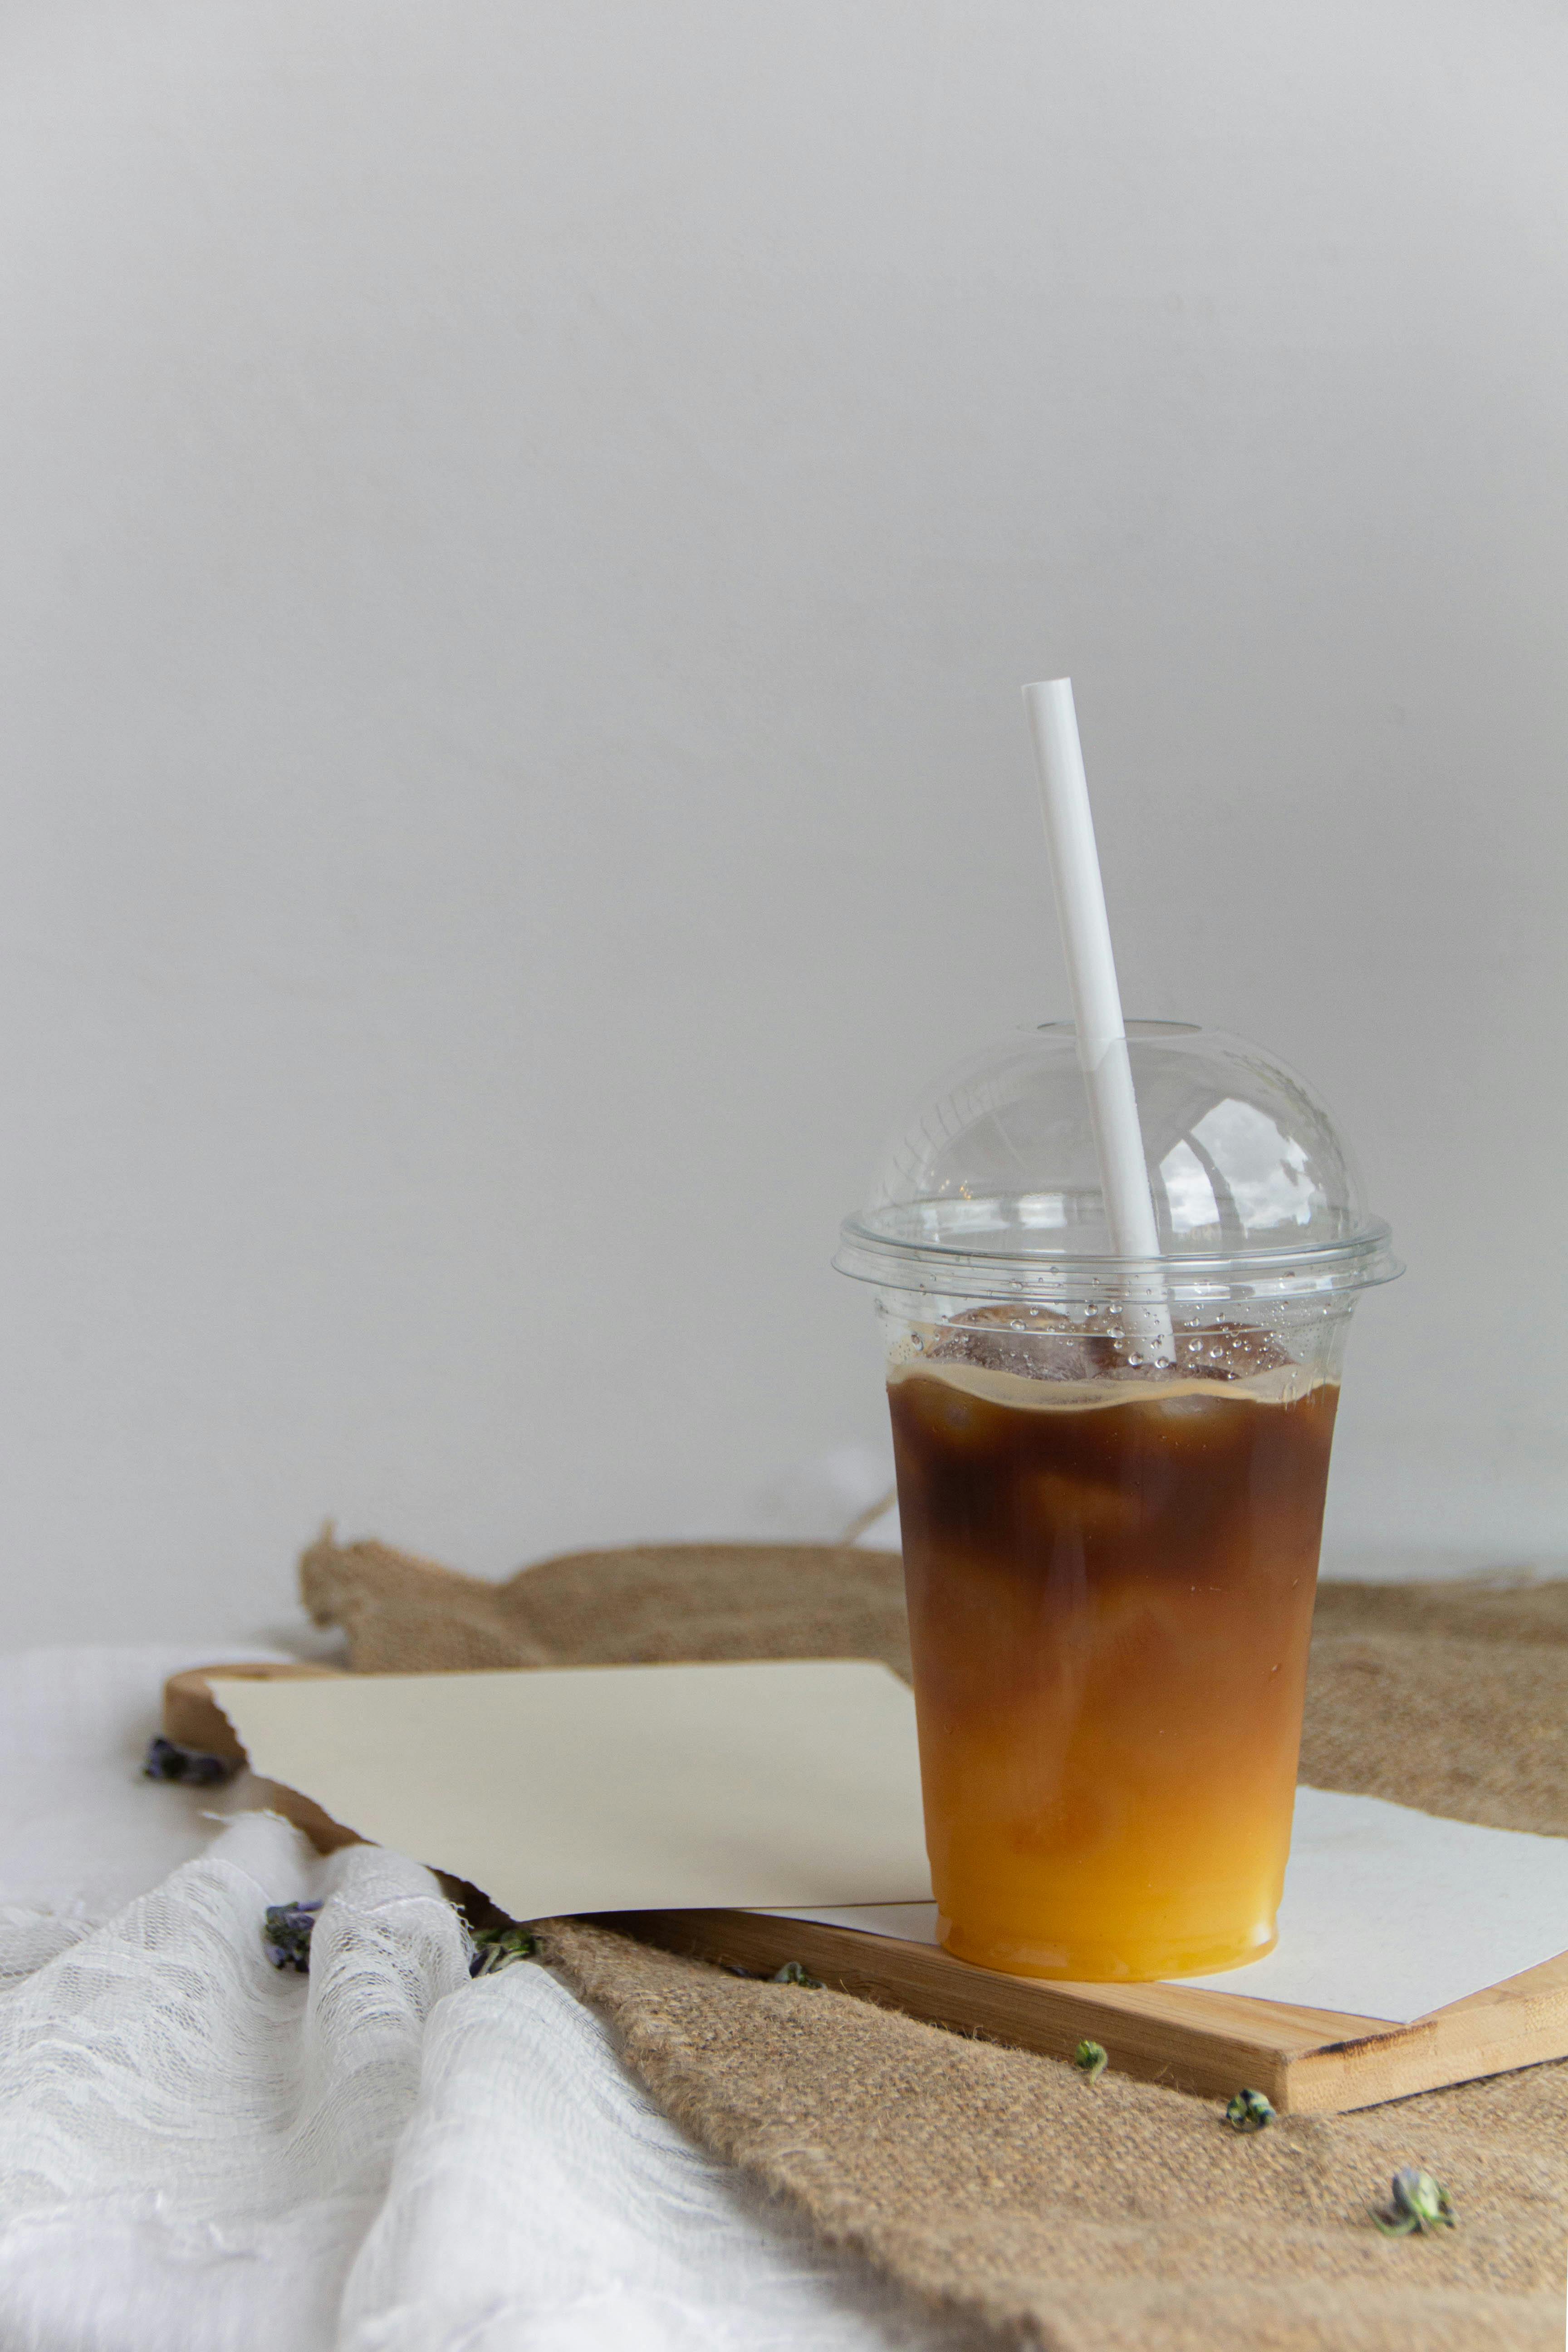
(1360, 1261)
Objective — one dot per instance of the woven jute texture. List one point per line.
(995, 2185)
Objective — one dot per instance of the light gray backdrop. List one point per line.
(523, 528)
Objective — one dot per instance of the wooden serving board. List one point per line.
(1306, 2061)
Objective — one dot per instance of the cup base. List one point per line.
(1072, 1962)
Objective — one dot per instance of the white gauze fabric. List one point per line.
(201, 2153)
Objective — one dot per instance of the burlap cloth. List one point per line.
(995, 2185)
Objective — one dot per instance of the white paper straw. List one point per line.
(1096, 999)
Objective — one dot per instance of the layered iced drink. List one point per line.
(1110, 1565)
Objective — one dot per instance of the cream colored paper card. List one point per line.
(615, 1787)
(1387, 1912)
(795, 1787)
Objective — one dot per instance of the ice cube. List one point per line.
(1228, 1351)
(1030, 1341)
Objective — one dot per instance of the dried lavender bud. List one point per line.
(1249, 2112)
(792, 1973)
(167, 1761)
(1090, 2060)
(286, 1934)
(1420, 2203)
(497, 1948)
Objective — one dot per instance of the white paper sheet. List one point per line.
(1388, 1913)
(615, 1787)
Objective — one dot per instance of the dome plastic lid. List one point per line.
(992, 1190)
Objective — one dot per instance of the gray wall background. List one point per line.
(525, 524)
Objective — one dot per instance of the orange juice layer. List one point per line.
(1110, 1590)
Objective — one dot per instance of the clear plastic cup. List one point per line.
(1110, 1555)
